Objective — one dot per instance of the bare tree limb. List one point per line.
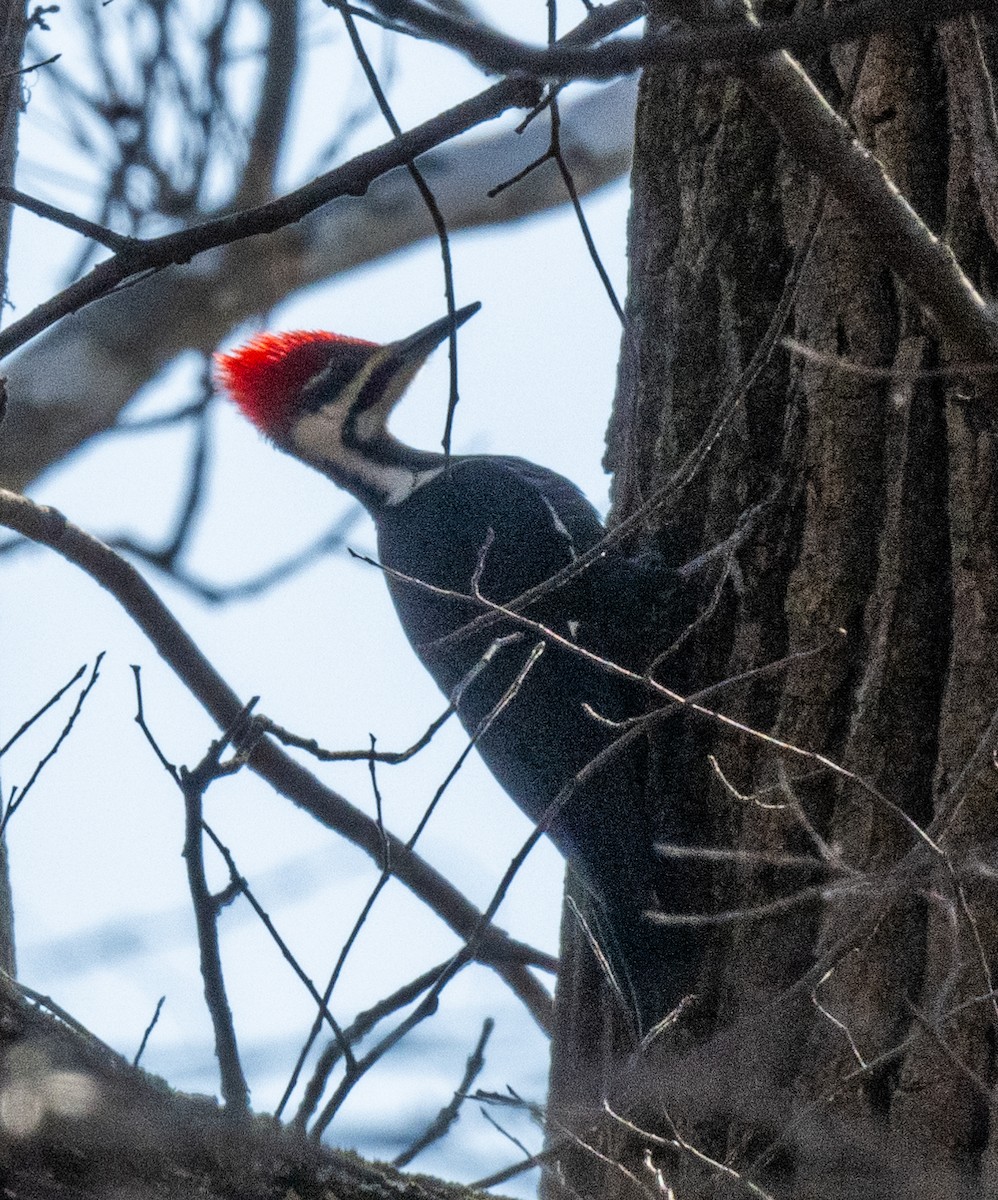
(124, 1132)
(678, 44)
(449, 1113)
(72, 382)
(145, 255)
(13, 29)
(808, 124)
(194, 783)
(18, 795)
(289, 779)
(274, 108)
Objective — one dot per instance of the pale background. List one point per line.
(103, 919)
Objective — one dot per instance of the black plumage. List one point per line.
(547, 720)
(514, 525)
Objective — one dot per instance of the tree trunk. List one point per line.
(13, 28)
(843, 1042)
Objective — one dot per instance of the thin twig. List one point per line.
(234, 1088)
(316, 1085)
(239, 883)
(149, 255)
(390, 757)
(432, 207)
(441, 1124)
(52, 700)
(213, 593)
(428, 1005)
(154, 1021)
(18, 795)
(689, 467)
(140, 720)
(688, 703)
(120, 243)
(358, 1029)
(580, 215)
(678, 1142)
(49, 527)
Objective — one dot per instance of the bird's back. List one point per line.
(509, 526)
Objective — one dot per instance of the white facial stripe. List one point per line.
(348, 396)
(318, 437)
(373, 421)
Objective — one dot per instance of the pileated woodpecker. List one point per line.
(482, 525)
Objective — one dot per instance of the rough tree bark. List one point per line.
(77, 1122)
(843, 1044)
(842, 1040)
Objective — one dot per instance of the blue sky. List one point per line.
(103, 919)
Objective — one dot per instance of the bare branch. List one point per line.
(428, 1005)
(193, 784)
(54, 699)
(288, 777)
(360, 1028)
(704, 44)
(449, 1114)
(391, 757)
(239, 883)
(692, 703)
(89, 229)
(73, 381)
(144, 256)
(280, 57)
(18, 795)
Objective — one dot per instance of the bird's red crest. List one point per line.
(265, 376)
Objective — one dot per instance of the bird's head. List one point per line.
(327, 399)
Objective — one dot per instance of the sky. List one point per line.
(103, 918)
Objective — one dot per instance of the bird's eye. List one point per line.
(329, 383)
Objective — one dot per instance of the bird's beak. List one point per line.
(391, 368)
(417, 346)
